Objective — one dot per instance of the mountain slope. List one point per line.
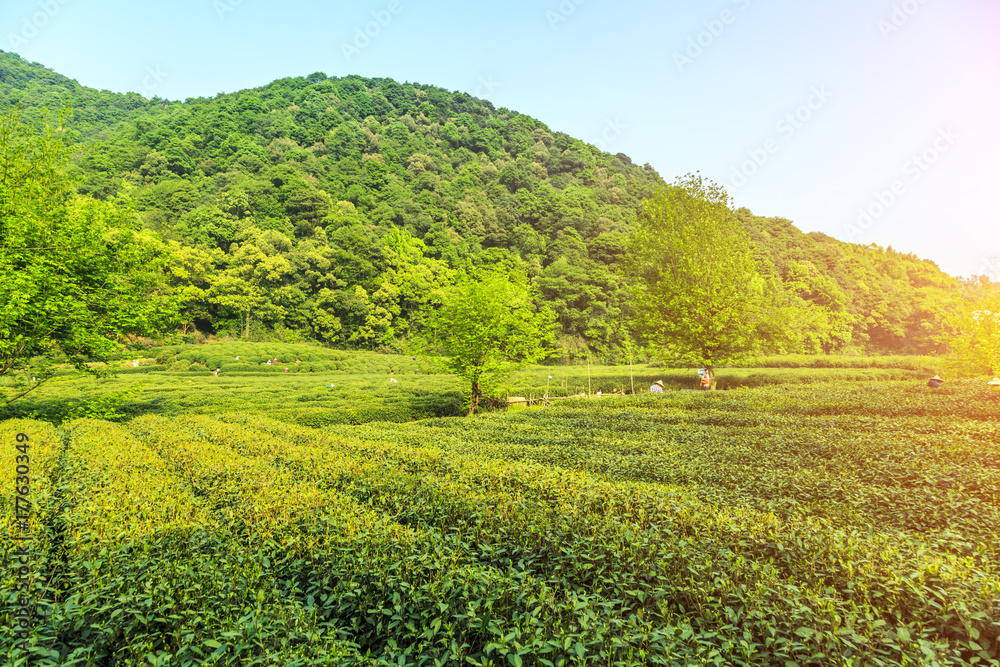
(336, 206)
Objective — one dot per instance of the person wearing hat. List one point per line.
(657, 387)
(935, 382)
(706, 381)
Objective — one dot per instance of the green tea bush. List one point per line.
(139, 370)
(867, 515)
(924, 364)
(131, 534)
(846, 523)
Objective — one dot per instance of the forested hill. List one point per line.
(335, 207)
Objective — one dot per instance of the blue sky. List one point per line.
(874, 121)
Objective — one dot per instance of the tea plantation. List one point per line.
(323, 386)
(842, 523)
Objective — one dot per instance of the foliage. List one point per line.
(975, 345)
(487, 326)
(697, 292)
(837, 296)
(76, 275)
(284, 205)
(686, 528)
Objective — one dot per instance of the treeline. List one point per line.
(337, 208)
(850, 296)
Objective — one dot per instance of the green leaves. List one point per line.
(697, 292)
(487, 326)
(764, 529)
(975, 343)
(76, 276)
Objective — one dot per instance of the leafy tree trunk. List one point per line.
(474, 397)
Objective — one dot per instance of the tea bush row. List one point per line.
(539, 525)
(761, 526)
(146, 574)
(844, 468)
(248, 357)
(401, 591)
(933, 497)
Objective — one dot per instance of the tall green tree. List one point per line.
(250, 287)
(488, 327)
(697, 293)
(975, 343)
(76, 275)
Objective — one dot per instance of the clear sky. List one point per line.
(874, 121)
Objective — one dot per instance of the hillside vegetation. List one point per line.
(333, 209)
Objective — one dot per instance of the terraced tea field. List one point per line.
(833, 524)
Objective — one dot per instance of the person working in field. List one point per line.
(706, 380)
(935, 382)
(657, 387)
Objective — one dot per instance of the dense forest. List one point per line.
(334, 209)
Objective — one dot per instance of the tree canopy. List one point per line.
(285, 208)
(975, 337)
(487, 326)
(698, 295)
(76, 274)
